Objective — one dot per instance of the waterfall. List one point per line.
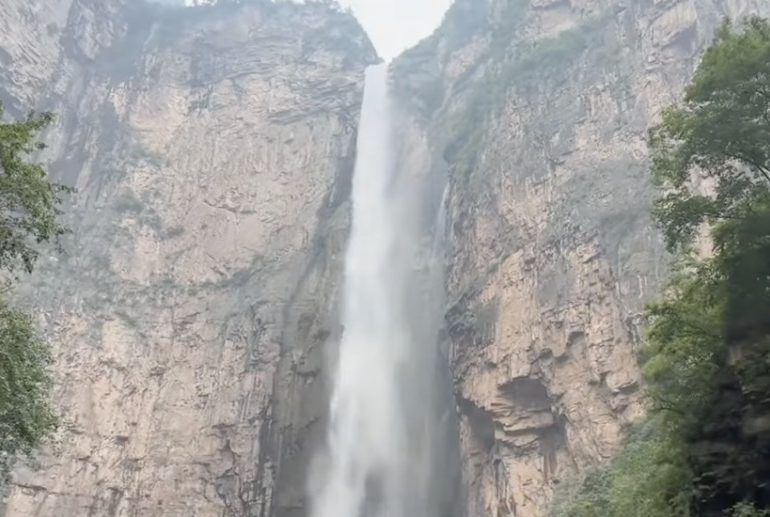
(383, 435)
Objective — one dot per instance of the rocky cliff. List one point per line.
(212, 149)
(540, 111)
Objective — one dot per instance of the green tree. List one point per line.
(29, 203)
(25, 415)
(710, 341)
(706, 448)
(29, 206)
(719, 133)
(644, 480)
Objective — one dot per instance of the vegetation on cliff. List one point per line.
(705, 447)
(29, 206)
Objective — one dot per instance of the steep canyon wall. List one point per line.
(212, 150)
(540, 111)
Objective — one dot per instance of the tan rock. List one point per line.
(212, 151)
(542, 118)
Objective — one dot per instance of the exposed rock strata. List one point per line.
(540, 108)
(212, 150)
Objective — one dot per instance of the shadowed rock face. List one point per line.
(212, 151)
(540, 110)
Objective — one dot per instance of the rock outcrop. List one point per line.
(212, 149)
(540, 110)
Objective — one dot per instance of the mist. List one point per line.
(392, 25)
(395, 25)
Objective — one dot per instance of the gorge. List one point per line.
(207, 311)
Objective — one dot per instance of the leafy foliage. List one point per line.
(748, 510)
(29, 206)
(705, 449)
(29, 203)
(721, 133)
(25, 416)
(641, 481)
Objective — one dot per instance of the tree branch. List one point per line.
(761, 168)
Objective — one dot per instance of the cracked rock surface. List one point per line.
(540, 110)
(212, 150)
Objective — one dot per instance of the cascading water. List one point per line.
(383, 456)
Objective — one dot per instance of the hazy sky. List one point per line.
(395, 25)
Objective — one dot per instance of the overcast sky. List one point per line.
(395, 25)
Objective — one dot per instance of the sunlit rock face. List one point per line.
(540, 110)
(212, 150)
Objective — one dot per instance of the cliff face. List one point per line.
(212, 151)
(540, 110)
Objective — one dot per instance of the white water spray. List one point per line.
(380, 439)
(365, 439)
